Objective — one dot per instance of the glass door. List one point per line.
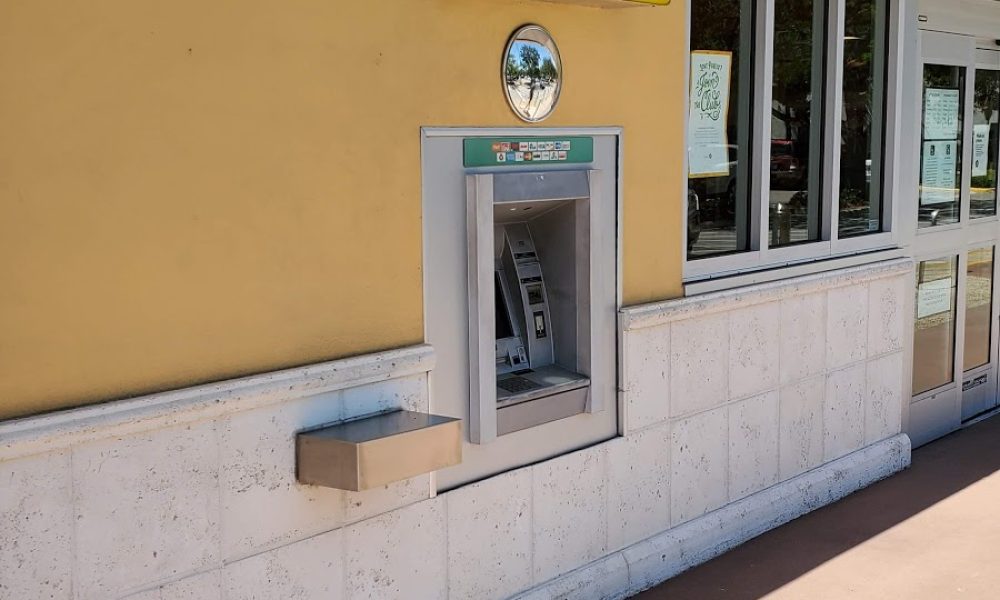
(954, 375)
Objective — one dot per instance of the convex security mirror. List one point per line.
(532, 73)
(530, 276)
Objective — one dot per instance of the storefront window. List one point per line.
(719, 128)
(770, 86)
(934, 331)
(978, 307)
(861, 127)
(796, 121)
(941, 145)
(983, 195)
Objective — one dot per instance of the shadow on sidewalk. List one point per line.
(782, 555)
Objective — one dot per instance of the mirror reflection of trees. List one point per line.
(531, 73)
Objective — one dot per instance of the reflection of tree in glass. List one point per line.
(792, 90)
(529, 61)
(987, 92)
(512, 71)
(856, 126)
(987, 99)
(540, 72)
(548, 70)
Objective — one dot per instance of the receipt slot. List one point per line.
(521, 292)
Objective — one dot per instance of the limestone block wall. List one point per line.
(741, 410)
(756, 385)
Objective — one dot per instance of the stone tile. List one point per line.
(699, 354)
(886, 323)
(570, 512)
(754, 337)
(409, 393)
(305, 570)
(489, 537)
(638, 486)
(153, 594)
(699, 452)
(803, 337)
(753, 444)
(369, 503)
(846, 325)
(647, 366)
(204, 586)
(36, 527)
(844, 412)
(147, 508)
(884, 401)
(401, 554)
(263, 505)
(801, 431)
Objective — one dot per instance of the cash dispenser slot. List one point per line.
(530, 272)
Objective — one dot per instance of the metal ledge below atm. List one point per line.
(373, 451)
(517, 411)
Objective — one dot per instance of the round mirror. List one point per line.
(532, 73)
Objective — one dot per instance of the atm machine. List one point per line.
(538, 360)
(525, 357)
(521, 300)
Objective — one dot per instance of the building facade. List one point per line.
(745, 264)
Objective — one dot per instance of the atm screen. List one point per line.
(504, 328)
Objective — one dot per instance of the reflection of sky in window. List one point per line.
(543, 52)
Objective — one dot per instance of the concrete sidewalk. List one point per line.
(931, 532)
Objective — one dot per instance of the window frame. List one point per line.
(760, 255)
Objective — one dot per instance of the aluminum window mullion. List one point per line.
(960, 297)
(762, 124)
(894, 177)
(833, 109)
(968, 114)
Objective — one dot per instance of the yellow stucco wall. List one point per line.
(192, 190)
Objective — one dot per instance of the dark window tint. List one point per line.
(719, 154)
(861, 126)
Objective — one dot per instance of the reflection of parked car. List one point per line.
(694, 219)
(786, 172)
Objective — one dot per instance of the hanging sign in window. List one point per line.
(708, 115)
(937, 172)
(980, 144)
(941, 114)
(934, 297)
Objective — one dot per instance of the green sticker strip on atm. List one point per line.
(511, 152)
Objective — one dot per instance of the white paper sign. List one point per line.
(708, 116)
(937, 173)
(980, 146)
(934, 297)
(941, 110)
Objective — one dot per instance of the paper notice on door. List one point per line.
(941, 112)
(708, 116)
(934, 297)
(980, 149)
(938, 173)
